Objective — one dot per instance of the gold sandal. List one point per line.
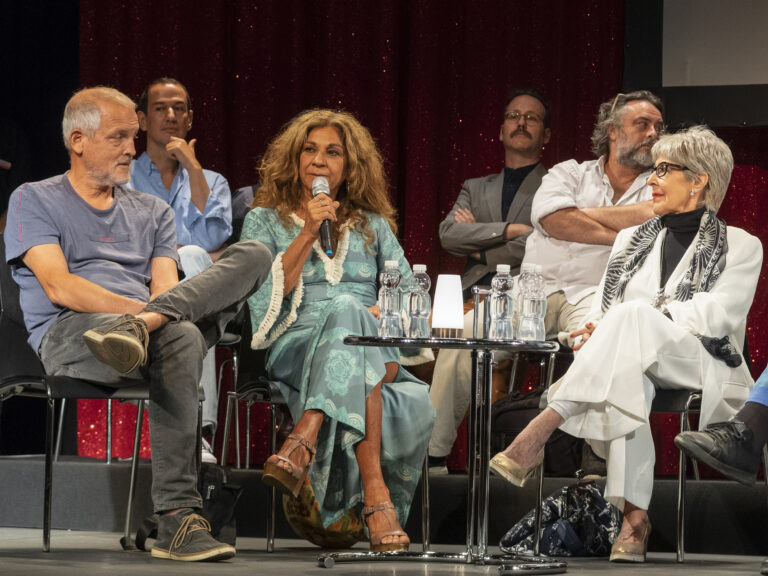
(376, 541)
(288, 481)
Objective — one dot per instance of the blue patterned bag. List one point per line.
(576, 521)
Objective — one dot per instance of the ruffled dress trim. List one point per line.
(260, 339)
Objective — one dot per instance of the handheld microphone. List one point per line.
(320, 186)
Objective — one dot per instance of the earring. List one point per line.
(693, 192)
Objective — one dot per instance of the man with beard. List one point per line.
(201, 201)
(489, 224)
(580, 207)
(96, 265)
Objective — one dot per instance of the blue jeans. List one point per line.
(198, 310)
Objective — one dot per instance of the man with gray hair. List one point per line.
(580, 207)
(96, 264)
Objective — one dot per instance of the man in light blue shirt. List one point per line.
(170, 170)
(201, 199)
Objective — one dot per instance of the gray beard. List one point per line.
(106, 179)
(635, 158)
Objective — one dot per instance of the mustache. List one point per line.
(522, 131)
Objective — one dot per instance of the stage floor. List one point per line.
(92, 553)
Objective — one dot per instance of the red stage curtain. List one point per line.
(428, 78)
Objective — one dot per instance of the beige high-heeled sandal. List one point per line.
(376, 541)
(288, 481)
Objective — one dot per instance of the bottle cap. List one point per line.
(504, 268)
(527, 267)
(391, 264)
(419, 268)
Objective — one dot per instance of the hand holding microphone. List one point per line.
(320, 186)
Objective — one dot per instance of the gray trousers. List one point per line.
(198, 310)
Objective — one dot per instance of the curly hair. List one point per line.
(364, 188)
(610, 114)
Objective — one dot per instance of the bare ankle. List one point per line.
(153, 320)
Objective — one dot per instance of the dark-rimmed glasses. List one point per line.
(528, 118)
(662, 168)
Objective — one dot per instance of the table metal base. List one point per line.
(478, 485)
(506, 563)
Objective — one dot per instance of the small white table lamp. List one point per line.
(448, 309)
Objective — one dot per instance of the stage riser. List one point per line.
(723, 517)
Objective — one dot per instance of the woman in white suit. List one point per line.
(670, 312)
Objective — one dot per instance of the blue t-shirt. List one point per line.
(113, 248)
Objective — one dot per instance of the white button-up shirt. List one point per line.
(574, 267)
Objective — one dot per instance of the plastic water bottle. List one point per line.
(390, 324)
(419, 304)
(539, 304)
(502, 305)
(533, 304)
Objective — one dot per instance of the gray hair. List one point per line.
(82, 112)
(610, 114)
(702, 152)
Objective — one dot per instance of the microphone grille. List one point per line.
(320, 186)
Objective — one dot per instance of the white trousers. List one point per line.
(613, 380)
(451, 379)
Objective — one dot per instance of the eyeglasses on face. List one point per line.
(528, 118)
(662, 168)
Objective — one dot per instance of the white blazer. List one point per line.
(721, 311)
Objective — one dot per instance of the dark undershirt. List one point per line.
(681, 230)
(513, 177)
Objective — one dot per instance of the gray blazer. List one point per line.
(482, 196)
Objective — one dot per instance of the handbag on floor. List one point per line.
(219, 500)
(575, 521)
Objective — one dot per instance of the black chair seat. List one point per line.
(262, 389)
(676, 401)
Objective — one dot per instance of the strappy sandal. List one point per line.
(376, 541)
(288, 481)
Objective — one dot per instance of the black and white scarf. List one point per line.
(706, 265)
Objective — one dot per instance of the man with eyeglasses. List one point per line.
(580, 207)
(489, 224)
(201, 201)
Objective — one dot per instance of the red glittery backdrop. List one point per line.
(428, 78)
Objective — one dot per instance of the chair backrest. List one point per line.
(19, 360)
(242, 198)
(251, 367)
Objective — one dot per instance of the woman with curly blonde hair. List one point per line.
(362, 422)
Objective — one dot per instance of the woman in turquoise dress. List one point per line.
(362, 422)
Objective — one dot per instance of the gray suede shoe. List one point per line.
(122, 344)
(186, 536)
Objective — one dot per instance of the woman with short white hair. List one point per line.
(670, 312)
